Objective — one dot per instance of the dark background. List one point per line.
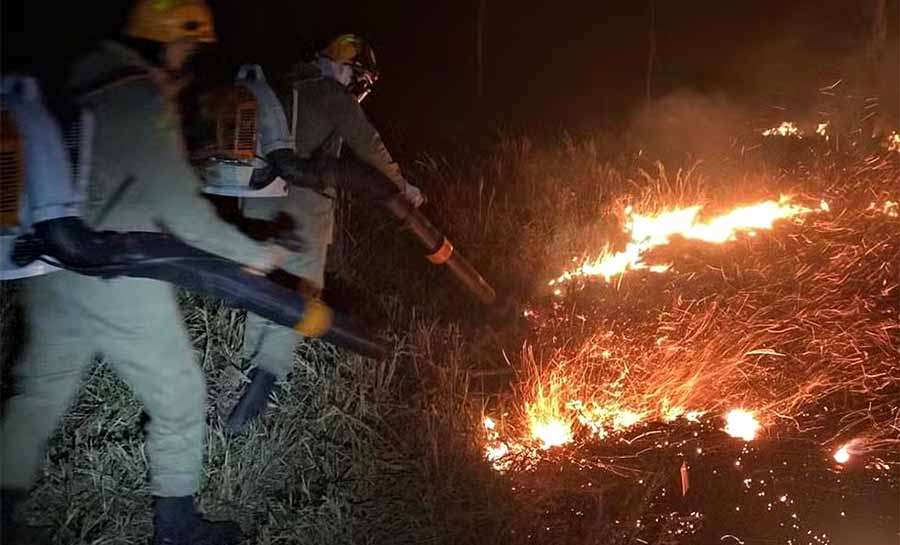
(549, 66)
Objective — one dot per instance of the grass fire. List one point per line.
(456, 273)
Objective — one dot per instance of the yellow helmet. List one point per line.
(355, 52)
(171, 20)
(344, 48)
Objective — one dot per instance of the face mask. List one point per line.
(342, 73)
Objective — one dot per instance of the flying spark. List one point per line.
(842, 456)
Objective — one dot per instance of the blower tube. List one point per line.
(368, 183)
(162, 257)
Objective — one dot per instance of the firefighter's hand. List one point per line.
(414, 195)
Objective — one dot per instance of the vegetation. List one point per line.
(360, 451)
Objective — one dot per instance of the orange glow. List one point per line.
(889, 208)
(742, 425)
(893, 142)
(551, 433)
(548, 421)
(842, 456)
(787, 128)
(648, 231)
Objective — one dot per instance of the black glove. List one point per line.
(279, 230)
(299, 172)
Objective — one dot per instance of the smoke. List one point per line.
(686, 126)
(843, 70)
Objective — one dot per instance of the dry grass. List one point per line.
(356, 451)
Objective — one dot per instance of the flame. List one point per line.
(787, 128)
(842, 456)
(822, 129)
(742, 424)
(893, 142)
(551, 433)
(495, 452)
(889, 208)
(651, 231)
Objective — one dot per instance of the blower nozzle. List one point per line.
(370, 184)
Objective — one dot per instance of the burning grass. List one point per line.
(792, 331)
(789, 323)
(602, 402)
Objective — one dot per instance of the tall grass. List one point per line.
(360, 451)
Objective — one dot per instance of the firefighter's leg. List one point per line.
(47, 378)
(149, 349)
(313, 214)
(269, 348)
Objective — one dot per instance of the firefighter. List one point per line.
(141, 182)
(327, 118)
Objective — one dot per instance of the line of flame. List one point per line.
(651, 231)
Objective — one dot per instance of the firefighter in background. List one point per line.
(141, 182)
(327, 118)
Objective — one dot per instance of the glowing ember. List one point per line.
(822, 129)
(693, 416)
(742, 424)
(495, 450)
(893, 142)
(651, 231)
(890, 208)
(787, 128)
(495, 453)
(842, 456)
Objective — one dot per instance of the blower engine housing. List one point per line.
(250, 124)
(33, 159)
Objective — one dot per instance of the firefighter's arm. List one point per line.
(171, 189)
(364, 140)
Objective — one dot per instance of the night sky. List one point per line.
(564, 65)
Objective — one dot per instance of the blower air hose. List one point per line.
(162, 257)
(372, 185)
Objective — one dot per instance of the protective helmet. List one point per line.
(355, 52)
(171, 20)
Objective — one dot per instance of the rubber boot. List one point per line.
(253, 403)
(177, 523)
